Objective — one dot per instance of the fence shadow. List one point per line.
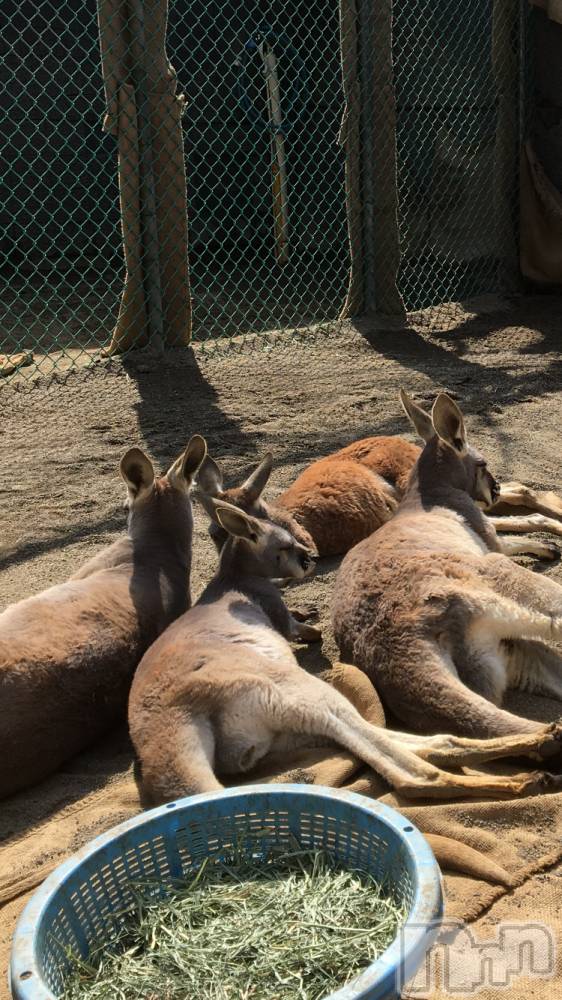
(13, 555)
(176, 401)
(441, 355)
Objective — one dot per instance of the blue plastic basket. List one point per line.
(73, 908)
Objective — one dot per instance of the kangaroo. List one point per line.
(67, 655)
(221, 688)
(343, 498)
(248, 497)
(435, 613)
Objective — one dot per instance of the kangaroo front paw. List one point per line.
(549, 551)
(307, 633)
(307, 613)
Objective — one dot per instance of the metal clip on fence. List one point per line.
(295, 100)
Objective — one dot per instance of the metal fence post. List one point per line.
(366, 60)
(524, 83)
(150, 244)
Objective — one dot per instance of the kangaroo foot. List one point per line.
(549, 551)
(481, 786)
(456, 751)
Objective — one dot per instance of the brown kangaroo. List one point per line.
(343, 498)
(248, 497)
(221, 688)
(433, 611)
(67, 655)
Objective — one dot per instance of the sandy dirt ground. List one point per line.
(61, 496)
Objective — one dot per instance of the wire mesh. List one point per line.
(62, 255)
(238, 285)
(459, 84)
(269, 249)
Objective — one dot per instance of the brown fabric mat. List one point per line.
(538, 902)
(552, 8)
(540, 206)
(42, 826)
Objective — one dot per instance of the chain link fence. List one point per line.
(461, 84)
(340, 158)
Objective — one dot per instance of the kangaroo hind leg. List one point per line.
(527, 546)
(456, 751)
(526, 499)
(436, 698)
(179, 762)
(314, 707)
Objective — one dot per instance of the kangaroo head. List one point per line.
(163, 499)
(460, 465)
(248, 498)
(258, 547)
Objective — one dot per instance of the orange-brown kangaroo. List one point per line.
(67, 656)
(345, 497)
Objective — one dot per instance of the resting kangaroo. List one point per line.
(429, 607)
(67, 656)
(248, 497)
(343, 498)
(221, 688)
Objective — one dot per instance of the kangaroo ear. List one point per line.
(209, 477)
(257, 480)
(231, 518)
(237, 523)
(419, 419)
(208, 503)
(138, 472)
(449, 423)
(181, 473)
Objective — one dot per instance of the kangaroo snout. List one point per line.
(488, 490)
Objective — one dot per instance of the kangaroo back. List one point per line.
(67, 655)
(345, 497)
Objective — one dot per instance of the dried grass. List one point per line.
(293, 927)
